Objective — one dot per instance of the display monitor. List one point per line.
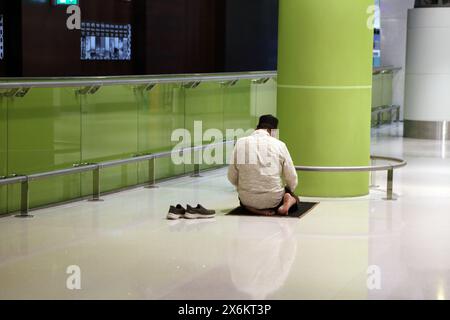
(105, 41)
(64, 2)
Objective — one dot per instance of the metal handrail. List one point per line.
(385, 108)
(14, 83)
(386, 69)
(400, 163)
(12, 180)
(159, 79)
(95, 168)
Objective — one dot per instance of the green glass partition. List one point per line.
(387, 96)
(377, 94)
(377, 90)
(204, 104)
(387, 79)
(265, 98)
(109, 132)
(239, 107)
(161, 111)
(49, 129)
(44, 135)
(382, 94)
(3, 154)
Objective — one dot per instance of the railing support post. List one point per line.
(96, 185)
(196, 173)
(151, 174)
(390, 185)
(373, 177)
(24, 200)
(379, 119)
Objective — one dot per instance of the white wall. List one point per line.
(427, 94)
(394, 15)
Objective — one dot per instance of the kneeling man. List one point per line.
(263, 171)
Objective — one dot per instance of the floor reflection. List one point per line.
(261, 258)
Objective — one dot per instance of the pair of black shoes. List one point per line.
(199, 212)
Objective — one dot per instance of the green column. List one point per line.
(324, 91)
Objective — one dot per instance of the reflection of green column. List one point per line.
(324, 94)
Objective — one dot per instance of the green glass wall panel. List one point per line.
(3, 154)
(161, 112)
(44, 135)
(377, 91)
(387, 88)
(109, 125)
(324, 91)
(377, 95)
(387, 95)
(265, 98)
(239, 106)
(204, 104)
(382, 91)
(239, 103)
(50, 129)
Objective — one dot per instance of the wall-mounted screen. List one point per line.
(64, 2)
(1, 38)
(104, 41)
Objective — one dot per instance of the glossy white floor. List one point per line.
(127, 250)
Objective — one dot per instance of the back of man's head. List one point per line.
(268, 122)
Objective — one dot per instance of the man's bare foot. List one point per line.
(288, 202)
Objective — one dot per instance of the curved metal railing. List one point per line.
(399, 163)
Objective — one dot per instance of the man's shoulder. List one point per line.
(278, 143)
(243, 139)
(271, 140)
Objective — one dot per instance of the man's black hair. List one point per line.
(268, 122)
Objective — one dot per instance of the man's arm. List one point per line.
(289, 173)
(233, 173)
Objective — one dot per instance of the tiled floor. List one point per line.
(125, 248)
